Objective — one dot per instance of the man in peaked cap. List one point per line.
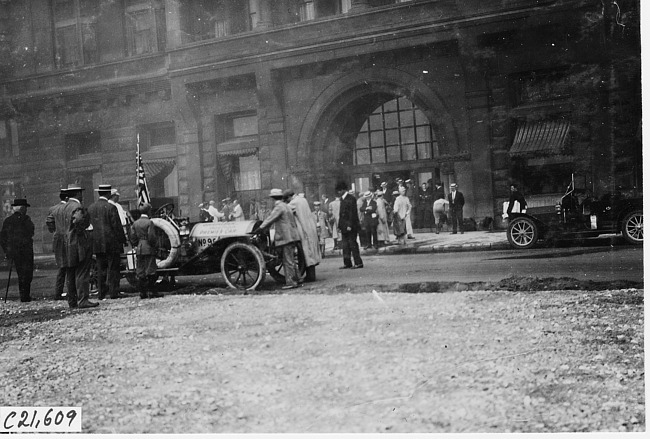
(55, 225)
(108, 242)
(79, 250)
(17, 241)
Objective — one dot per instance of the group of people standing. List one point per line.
(230, 210)
(79, 233)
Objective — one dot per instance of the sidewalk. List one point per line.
(423, 243)
(430, 242)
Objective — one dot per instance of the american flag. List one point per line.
(141, 180)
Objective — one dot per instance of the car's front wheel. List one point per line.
(632, 227)
(242, 266)
(522, 233)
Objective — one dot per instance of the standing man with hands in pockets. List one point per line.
(349, 226)
(456, 203)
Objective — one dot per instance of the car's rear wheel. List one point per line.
(242, 266)
(522, 233)
(276, 266)
(632, 227)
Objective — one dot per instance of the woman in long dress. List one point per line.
(307, 231)
(383, 234)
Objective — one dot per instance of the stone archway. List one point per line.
(323, 145)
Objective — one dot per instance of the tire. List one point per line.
(522, 233)
(171, 244)
(276, 266)
(242, 266)
(632, 227)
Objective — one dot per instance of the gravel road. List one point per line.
(321, 361)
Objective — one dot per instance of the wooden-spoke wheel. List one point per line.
(522, 233)
(632, 227)
(276, 266)
(242, 266)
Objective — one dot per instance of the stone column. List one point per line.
(173, 23)
(359, 5)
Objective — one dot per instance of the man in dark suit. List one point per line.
(349, 226)
(370, 219)
(54, 223)
(17, 241)
(108, 243)
(78, 248)
(517, 196)
(456, 203)
(143, 237)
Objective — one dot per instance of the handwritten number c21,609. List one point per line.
(25, 419)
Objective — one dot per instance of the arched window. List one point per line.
(396, 131)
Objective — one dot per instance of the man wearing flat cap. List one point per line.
(79, 249)
(108, 242)
(17, 241)
(55, 225)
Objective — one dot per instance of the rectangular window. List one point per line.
(345, 6)
(145, 26)
(75, 23)
(241, 126)
(247, 173)
(80, 144)
(157, 134)
(307, 10)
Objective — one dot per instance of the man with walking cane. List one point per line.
(17, 241)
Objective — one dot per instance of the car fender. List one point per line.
(541, 226)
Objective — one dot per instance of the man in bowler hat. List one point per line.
(17, 241)
(108, 242)
(79, 249)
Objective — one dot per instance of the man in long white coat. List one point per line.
(307, 231)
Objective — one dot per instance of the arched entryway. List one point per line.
(373, 130)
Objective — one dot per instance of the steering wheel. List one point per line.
(165, 210)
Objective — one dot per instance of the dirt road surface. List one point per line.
(321, 361)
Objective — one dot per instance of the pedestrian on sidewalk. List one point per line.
(322, 226)
(108, 243)
(401, 211)
(383, 233)
(334, 211)
(349, 226)
(408, 185)
(370, 219)
(17, 241)
(456, 202)
(55, 225)
(286, 236)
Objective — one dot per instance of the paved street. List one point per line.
(471, 257)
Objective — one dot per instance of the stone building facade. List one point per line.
(234, 97)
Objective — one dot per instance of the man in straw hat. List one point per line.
(108, 242)
(456, 202)
(55, 225)
(17, 241)
(79, 250)
(286, 236)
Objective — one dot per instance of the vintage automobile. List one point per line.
(579, 215)
(229, 248)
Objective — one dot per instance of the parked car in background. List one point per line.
(578, 215)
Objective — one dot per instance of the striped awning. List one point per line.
(540, 138)
(239, 147)
(155, 167)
